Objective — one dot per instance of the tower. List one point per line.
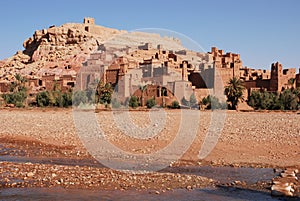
(89, 20)
(184, 71)
(276, 73)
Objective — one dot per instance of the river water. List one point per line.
(221, 174)
(45, 194)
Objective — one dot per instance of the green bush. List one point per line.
(79, 97)
(133, 102)
(105, 98)
(43, 99)
(264, 100)
(115, 103)
(58, 98)
(175, 105)
(17, 98)
(185, 102)
(18, 92)
(212, 102)
(54, 98)
(193, 100)
(90, 93)
(150, 103)
(286, 100)
(68, 98)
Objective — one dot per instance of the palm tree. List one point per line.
(104, 92)
(234, 92)
(143, 89)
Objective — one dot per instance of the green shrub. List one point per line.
(115, 103)
(133, 102)
(17, 98)
(43, 99)
(193, 100)
(54, 98)
(79, 97)
(212, 102)
(175, 105)
(58, 98)
(90, 93)
(185, 102)
(286, 100)
(150, 103)
(67, 97)
(105, 97)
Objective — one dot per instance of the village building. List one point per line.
(145, 66)
(183, 72)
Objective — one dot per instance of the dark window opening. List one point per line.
(71, 84)
(164, 91)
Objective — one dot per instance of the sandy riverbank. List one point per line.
(266, 139)
(49, 138)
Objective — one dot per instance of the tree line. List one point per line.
(102, 93)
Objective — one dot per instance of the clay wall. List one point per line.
(112, 76)
(4, 87)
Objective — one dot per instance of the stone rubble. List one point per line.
(287, 184)
(46, 175)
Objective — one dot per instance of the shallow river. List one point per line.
(72, 194)
(221, 174)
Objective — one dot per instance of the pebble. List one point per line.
(30, 174)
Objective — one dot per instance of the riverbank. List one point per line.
(40, 148)
(258, 139)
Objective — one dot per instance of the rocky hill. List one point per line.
(62, 50)
(56, 50)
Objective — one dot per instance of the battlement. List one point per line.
(89, 20)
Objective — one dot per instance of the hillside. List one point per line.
(62, 50)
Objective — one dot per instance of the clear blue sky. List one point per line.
(262, 31)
